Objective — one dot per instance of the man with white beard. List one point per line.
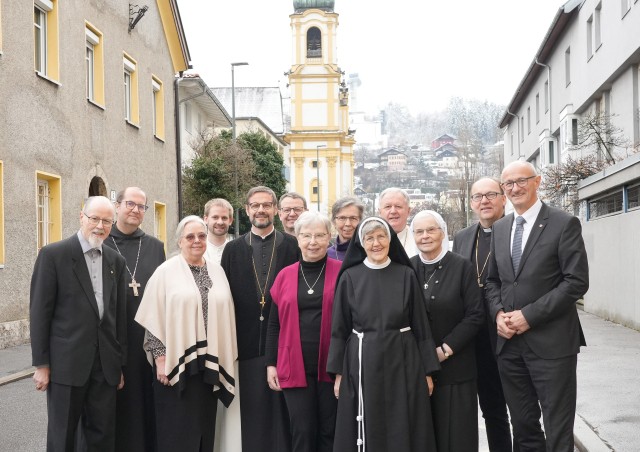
(79, 331)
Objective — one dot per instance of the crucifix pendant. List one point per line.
(134, 285)
(262, 303)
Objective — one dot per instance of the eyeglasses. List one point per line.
(345, 219)
(429, 231)
(93, 221)
(255, 206)
(130, 206)
(191, 237)
(320, 237)
(382, 238)
(288, 210)
(477, 197)
(521, 182)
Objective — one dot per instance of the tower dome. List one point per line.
(302, 5)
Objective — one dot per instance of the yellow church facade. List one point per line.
(321, 144)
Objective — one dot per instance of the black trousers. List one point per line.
(95, 402)
(531, 383)
(312, 414)
(263, 412)
(490, 394)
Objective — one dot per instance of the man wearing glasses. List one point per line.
(292, 205)
(251, 263)
(488, 202)
(538, 270)
(78, 331)
(143, 253)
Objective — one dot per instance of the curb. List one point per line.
(586, 440)
(26, 373)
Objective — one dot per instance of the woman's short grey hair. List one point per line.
(184, 222)
(371, 226)
(311, 217)
(346, 202)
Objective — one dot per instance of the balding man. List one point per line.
(79, 331)
(394, 207)
(538, 270)
(488, 202)
(143, 253)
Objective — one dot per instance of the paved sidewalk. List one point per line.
(609, 386)
(608, 409)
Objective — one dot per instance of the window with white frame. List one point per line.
(590, 37)
(127, 94)
(528, 120)
(44, 221)
(597, 36)
(45, 34)
(546, 96)
(537, 108)
(625, 6)
(130, 89)
(40, 38)
(522, 129)
(94, 65)
(158, 107)
(511, 143)
(90, 61)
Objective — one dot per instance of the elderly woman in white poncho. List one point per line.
(190, 339)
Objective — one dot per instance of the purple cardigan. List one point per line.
(284, 294)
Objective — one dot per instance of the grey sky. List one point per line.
(408, 51)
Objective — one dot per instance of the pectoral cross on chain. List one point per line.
(262, 303)
(134, 285)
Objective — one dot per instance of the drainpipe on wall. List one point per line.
(176, 107)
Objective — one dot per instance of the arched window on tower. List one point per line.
(314, 43)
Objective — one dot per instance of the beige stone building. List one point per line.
(87, 108)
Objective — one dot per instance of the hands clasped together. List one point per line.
(510, 323)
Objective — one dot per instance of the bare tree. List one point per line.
(597, 133)
(560, 182)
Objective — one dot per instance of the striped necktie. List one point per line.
(516, 249)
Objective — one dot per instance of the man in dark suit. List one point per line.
(474, 242)
(78, 331)
(537, 271)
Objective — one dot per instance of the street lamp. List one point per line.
(233, 137)
(318, 171)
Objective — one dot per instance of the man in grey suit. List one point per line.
(78, 331)
(537, 271)
(473, 243)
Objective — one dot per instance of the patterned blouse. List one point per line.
(201, 276)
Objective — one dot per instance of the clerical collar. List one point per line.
(373, 266)
(487, 230)
(264, 237)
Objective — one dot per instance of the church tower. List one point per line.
(321, 144)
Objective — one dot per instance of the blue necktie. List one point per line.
(516, 249)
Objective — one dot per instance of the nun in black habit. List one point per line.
(456, 314)
(381, 351)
